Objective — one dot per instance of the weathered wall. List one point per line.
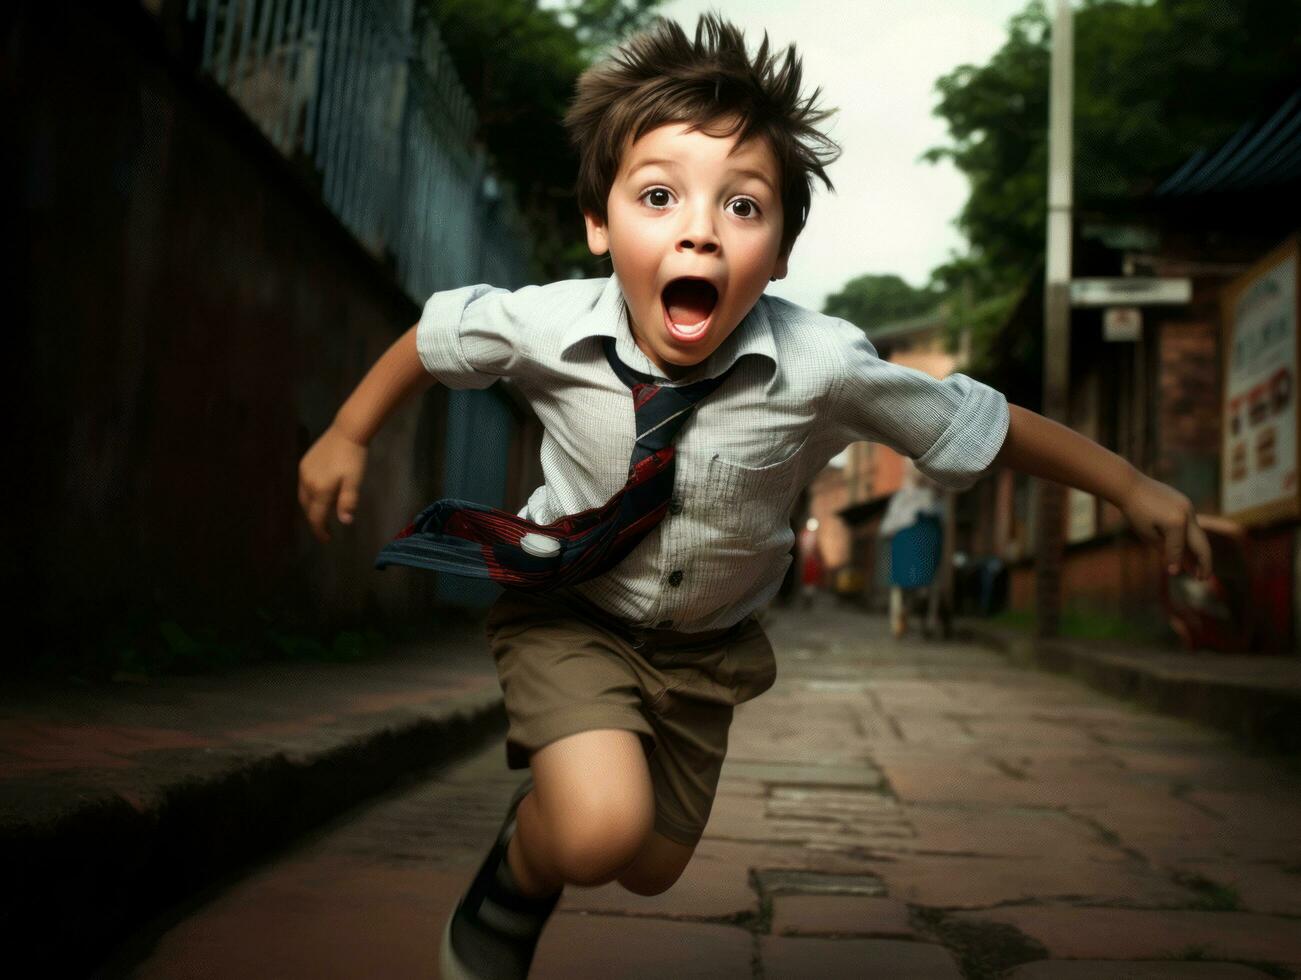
(1118, 577)
(188, 319)
(1188, 406)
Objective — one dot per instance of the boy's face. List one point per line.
(693, 228)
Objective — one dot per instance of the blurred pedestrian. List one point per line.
(912, 526)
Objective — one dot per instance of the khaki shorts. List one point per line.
(565, 667)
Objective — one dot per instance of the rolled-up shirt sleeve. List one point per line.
(953, 428)
(472, 336)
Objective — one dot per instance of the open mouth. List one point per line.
(688, 306)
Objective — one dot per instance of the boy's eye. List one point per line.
(744, 208)
(658, 197)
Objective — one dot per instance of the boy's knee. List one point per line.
(594, 845)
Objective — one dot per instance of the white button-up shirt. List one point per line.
(805, 387)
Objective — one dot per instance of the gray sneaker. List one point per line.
(494, 930)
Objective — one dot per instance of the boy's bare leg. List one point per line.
(589, 815)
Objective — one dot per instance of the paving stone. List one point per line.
(782, 856)
(1002, 831)
(845, 915)
(993, 778)
(579, 946)
(1093, 933)
(859, 773)
(975, 882)
(786, 958)
(1257, 887)
(1132, 970)
(1267, 818)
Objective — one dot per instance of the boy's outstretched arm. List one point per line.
(329, 475)
(1160, 514)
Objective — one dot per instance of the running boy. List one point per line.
(631, 634)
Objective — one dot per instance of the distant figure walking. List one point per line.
(912, 525)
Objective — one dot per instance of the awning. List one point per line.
(1257, 156)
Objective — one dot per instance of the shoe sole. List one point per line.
(449, 967)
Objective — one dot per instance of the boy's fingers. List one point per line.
(317, 514)
(347, 501)
(318, 510)
(1174, 548)
(1201, 548)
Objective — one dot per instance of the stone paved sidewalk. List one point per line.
(888, 810)
(920, 810)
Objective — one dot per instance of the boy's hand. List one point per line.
(1165, 517)
(329, 477)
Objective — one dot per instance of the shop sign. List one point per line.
(1131, 291)
(1259, 458)
(1122, 323)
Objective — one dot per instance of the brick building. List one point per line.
(1157, 396)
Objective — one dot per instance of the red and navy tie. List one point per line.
(470, 539)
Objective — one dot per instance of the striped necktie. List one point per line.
(475, 541)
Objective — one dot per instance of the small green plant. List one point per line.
(1084, 624)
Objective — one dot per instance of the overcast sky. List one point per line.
(877, 61)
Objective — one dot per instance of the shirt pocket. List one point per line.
(752, 503)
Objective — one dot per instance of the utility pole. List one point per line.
(1057, 316)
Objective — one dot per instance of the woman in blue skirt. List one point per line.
(912, 523)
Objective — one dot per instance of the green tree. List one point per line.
(1155, 81)
(519, 63)
(874, 300)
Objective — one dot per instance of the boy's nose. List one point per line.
(699, 242)
(699, 235)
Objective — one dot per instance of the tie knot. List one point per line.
(660, 410)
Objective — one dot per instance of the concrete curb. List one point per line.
(80, 881)
(1264, 715)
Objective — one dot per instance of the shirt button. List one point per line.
(675, 505)
(675, 577)
(664, 624)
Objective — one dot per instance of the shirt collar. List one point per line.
(608, 317)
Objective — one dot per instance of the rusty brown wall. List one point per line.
(187, 318)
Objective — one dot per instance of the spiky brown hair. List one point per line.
(661, 76)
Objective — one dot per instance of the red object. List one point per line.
(812, 570)
(1216, 614)
(811, 560)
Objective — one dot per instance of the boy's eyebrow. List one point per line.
(655, 162)
(758, 175)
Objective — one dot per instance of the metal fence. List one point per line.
(373, 104)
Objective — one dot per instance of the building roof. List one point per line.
(1258, 156)
(903, 329)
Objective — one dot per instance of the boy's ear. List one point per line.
(783, 260)
(598, 238)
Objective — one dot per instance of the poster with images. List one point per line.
(1259, 461)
